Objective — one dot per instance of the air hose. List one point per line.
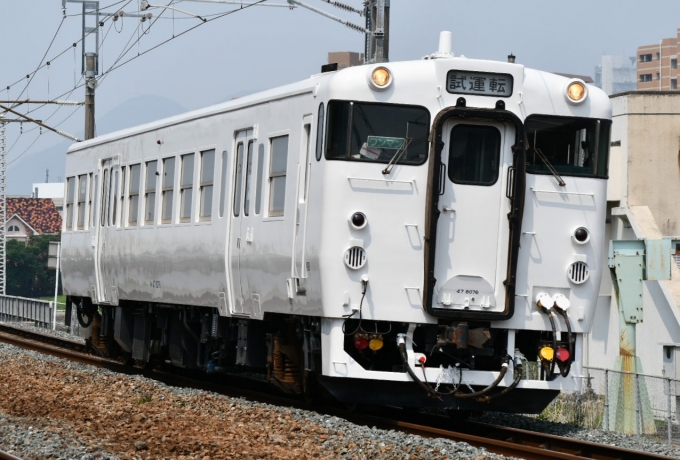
(431, 392)
(565, 372)
(404, 359)
(513, 385)
(551, 374)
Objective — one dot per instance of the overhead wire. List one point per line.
(43, 59)
(177, 36)
(114, 66)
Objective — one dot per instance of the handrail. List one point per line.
(561, 192)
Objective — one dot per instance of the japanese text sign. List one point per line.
(483, 84)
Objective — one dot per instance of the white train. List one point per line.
(408, 233)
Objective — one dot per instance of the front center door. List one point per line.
(471, 246)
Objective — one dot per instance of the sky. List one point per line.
(256, 48)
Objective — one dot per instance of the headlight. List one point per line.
(381, 78)
(576, 91)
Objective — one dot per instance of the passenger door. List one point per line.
(105, 224)
(241, 303)
(472, 235)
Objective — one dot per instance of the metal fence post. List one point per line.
(670, 410)
(638, 422)
(606, 400)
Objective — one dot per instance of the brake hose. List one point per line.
(548, 312)
(513, 385)
(565, 372)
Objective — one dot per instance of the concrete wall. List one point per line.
(648, 127)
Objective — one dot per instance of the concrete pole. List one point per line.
(56, 289)
(90, 85)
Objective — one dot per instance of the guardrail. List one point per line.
(15, 309)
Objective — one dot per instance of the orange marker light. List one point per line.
(381, 77)
(375, 344)
(576, 91)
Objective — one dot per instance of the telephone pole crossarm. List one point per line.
(39, 123)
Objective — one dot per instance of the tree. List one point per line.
(27, 273)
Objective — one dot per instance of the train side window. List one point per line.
(277, 175)
(206, 183)
(133, 200)
(91, 199)
(95, 201)
(186, 187)
(260, 173)
(82, 195)
(104, 208)
(319, 133)
(223, 182)
(121, 195)
(238, 177)
(168, 192)
(474, 154)
(70, 195)
(249, 174)
(150, 192)
(113, 195)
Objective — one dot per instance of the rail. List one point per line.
(21, 309)
(501, 440)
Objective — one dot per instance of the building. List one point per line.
(616, 74)
(642, 196)
(345, 59)
(53, 190)
(657, 65)
(27, 217)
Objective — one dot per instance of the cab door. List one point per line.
(472, 231)
(241, 303)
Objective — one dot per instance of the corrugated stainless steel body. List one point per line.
(13, 309)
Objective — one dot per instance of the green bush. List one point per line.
(27, 273)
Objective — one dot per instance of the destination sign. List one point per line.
(381, 142)
(480, 83)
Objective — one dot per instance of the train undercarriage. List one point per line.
(286, 351)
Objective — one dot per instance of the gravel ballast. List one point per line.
(52, 408)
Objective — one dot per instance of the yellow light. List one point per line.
(381, 77)
(547, 353)
(576, 91)
(375, 344)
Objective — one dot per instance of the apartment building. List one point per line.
(657, 65)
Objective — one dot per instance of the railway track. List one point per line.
(497, 439)
(6, 456)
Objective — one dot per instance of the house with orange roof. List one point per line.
(27, 217)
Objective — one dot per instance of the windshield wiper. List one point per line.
(550, 166)
(397, 156)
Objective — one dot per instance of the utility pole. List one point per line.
(90, 85)
(377, 14)
(90, 59)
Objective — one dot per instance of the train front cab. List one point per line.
(514, 238)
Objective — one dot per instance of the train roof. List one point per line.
(534, 92)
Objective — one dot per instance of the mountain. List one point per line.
(31, 167)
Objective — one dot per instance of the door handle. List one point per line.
(447, 209)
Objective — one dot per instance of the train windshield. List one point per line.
(572, 146)
(378, 133)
